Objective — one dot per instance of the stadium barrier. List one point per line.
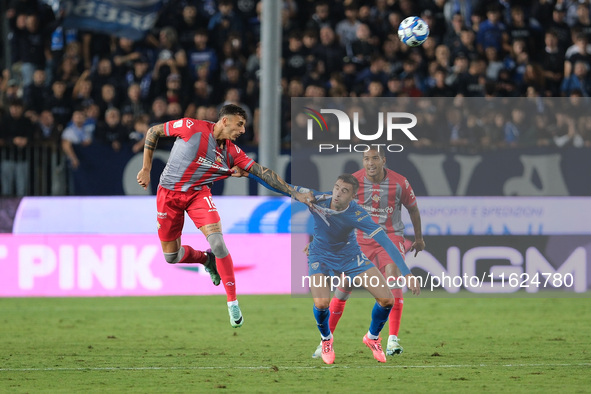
(39, 169)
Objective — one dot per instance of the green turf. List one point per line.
(186, 344)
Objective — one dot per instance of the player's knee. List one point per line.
(217, 244)
(386, 302)
(341, 294)
(173, 258)
(322, 303)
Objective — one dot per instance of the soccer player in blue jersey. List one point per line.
(334, 251)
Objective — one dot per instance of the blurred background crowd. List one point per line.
(64, 88)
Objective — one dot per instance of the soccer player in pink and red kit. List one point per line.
(382, 193)
(202, 154)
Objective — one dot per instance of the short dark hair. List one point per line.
(381, 151)
(351, 180)
(231, 109)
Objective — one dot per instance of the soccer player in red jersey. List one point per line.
(383, 192)
(202, 154)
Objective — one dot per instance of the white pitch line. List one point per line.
(57, 369)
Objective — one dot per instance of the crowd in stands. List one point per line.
(75, 87)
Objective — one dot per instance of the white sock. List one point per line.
(392, 337)
(374, 337)
(230, 303)
(326, 338)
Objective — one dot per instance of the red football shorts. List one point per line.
(171, 206)
(378, 255)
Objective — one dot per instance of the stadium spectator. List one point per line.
(452, 36)
(578, 81)
(141, 75)
(190, 22)
(171, 58)
(294, 56)
(515, 127)
(16, 134)
(559, 25)
(46, 130)
(111, 132)
(329, 50)
(133, 102)
(552, 63)
(200, 55)
(126, 52)
(60, 104)
(321, 16)
(35, 95)
(76, 134)
(362, 47)
(346, 29)
(108, 99)
(223, 23)
(82, 91)
(490, 32)
(580, 50)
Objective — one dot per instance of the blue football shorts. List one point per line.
(335, 265)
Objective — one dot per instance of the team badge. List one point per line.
(315, 265)
(375, 198)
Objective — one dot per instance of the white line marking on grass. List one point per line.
(58, 369)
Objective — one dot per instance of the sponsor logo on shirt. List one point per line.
(177, 124)
(202, 160)
(190, 123)
(389, 209)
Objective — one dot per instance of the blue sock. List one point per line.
(321, 316)
(379, 317)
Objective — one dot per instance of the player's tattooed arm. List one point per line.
(272, 179)
(152, 136)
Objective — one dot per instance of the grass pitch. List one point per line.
(186, 344)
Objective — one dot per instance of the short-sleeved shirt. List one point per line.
(384, 200)
(196, 159)
(333, 230)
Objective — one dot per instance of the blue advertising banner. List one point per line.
(510, 172)
(122, 18)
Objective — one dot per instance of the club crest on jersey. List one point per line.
(357, 213)
(375, 198)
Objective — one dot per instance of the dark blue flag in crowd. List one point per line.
(123, 18)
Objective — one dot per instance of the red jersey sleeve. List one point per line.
(237, 157)
(407, 198)
(180, 128)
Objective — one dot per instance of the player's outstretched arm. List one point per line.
(152, 136)
(276, 183)
(415, 218)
